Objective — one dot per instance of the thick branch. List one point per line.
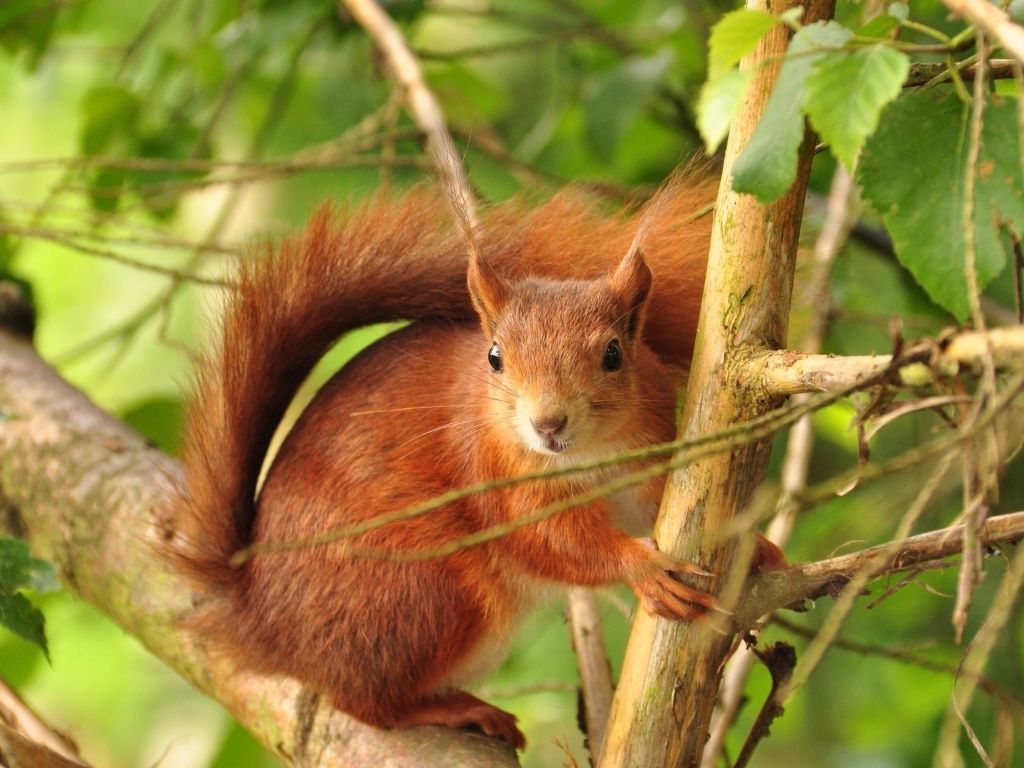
(90, 495)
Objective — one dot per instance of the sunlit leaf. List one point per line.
(767, 166)
(736, 35)
(720, 100)
(846, 93)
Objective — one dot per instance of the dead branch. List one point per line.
(780, 659)
(24, 733)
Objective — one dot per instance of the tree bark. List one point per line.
(91, 496)
(671, 673)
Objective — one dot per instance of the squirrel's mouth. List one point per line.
(553, 445)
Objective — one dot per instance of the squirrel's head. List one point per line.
(563, 357)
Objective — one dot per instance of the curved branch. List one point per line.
(92, 496)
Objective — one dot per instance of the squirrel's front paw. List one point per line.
(660, 592)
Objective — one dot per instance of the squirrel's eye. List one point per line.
(612, 360)
(494, 358)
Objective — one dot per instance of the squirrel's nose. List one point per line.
(549, 426)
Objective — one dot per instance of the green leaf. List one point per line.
(719, 101)
(158, 188)
(23, 619)
(880, 27)
(28, 25)
(912, 170)
(846, 92)
(106, 185)
(767, 165)
(110, 115)
(734, 36)
(18, 569)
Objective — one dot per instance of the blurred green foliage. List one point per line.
(145, 141)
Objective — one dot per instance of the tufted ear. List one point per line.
(631, 285)
(489, 292)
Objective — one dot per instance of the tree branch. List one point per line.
(765, 592)
(785, 372)
(844, 207)
(671, 673)
(596, 686)
(994, 21)
(92, 496)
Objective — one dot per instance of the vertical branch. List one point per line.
(670, 679)
(979, 465)
(596, 685)
(844, 206)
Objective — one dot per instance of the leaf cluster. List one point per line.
(909, 150)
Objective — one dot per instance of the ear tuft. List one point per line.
(631, 284)
(489, 292)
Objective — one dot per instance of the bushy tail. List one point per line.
(391, 260)
(388, 260)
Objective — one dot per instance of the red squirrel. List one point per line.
(558, 348)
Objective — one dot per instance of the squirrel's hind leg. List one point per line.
(459, 709)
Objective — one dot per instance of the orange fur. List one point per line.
(587, 342)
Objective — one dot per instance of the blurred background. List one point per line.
(172, 133)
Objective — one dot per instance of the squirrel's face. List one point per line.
(562, 360)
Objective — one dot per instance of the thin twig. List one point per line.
(22, 719)
(422, 104)
(687, 451)
(74, 244)
(994, 21)
(907, 656)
